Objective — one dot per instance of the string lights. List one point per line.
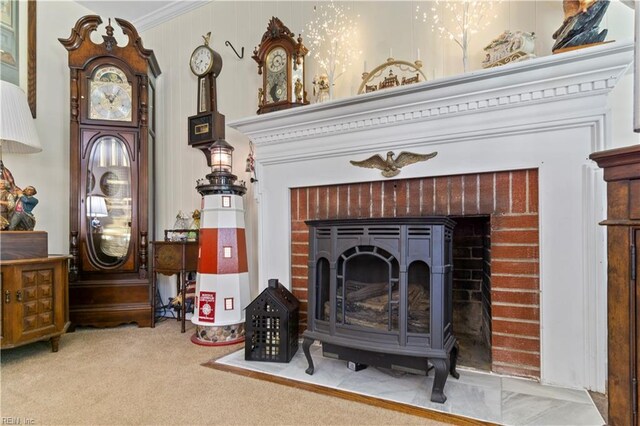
(461, 18)
(331, 37)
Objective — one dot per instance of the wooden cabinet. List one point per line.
(112, 139)
(34, 300)
(622, 174)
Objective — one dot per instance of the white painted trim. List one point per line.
(167, 13)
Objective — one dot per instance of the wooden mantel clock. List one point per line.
(112, 137)
(280, 59)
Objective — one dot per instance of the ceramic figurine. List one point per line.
(22, 218)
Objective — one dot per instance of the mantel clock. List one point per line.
(112, 137)
(280, 57)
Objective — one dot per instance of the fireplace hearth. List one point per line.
(380, 293)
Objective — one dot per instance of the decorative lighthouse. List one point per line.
(222, 280)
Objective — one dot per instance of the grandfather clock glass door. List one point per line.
(108, 209)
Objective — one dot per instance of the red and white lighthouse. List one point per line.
(222, 280)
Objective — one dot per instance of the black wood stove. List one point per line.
(380, 294)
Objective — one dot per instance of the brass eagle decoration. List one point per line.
(391, 167)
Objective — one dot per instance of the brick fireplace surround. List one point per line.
(513, 144)
(511, 201)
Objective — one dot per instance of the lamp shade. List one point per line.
(96, 206)
(18, 133)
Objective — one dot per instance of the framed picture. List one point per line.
(18, 41)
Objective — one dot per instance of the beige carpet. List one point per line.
(130, 375)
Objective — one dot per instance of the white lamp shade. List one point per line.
(18, 133)
(96, 206)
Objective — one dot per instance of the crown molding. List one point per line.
(166, 13)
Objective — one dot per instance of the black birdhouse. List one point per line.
(271, 330)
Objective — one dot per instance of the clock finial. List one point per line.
(207, 38)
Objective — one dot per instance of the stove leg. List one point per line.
(306, 343)
(442, 371)
(454, 361)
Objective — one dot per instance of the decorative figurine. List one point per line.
(321, 88)
(580, 26)
(7, 204)
(509, 47)
(22, 218)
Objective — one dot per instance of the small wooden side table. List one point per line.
(174, 258)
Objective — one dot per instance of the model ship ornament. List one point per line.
(391, 167)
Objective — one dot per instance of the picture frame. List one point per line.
(18, 58)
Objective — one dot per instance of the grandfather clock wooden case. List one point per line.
(622, 174)
(112, 148)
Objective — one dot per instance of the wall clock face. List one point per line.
(276, 75)
(110, 95)
(201, 60)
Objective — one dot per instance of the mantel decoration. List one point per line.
(467, 17)
(580, 26)
(408, 72)
(509, 47)
(391, 166)
(332, 36)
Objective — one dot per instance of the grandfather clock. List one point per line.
(112, 137)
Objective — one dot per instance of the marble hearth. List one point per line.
(539, 118)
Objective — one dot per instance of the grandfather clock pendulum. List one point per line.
(222, 280)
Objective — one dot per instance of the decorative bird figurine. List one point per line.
(207, 38)
(391, 167)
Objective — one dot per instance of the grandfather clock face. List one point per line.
(110, 95)
(276, 75)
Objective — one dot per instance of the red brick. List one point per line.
(294, 203)
(514, 342)
(428, 206)
(299, 271)
(470, 194)
(299, 282)
(300, 249)
(455, 195)
(530, 313)
(299, 260)
(299, 226)
(442, 196)
(300, 237)
(376, 199)
(503, 192)
(526, 221)
(524, 283)
(519, 297)
(303, 197)
(323, 207)
(533, 190)
(486, 193)
(514, 252)
(300, 294)
(401, 198)
(354, 207)
(515, 268)
(519, 191)
(413, 197)
(513, 357)
(343, 201)
(388, 204)
(313, 203)
(514, 327)
(514, 237)
(365, 200)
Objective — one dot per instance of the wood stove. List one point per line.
(379, 293)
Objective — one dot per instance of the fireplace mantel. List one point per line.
(547, 113)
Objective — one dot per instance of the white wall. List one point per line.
(383, 25)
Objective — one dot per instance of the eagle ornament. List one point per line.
(391, 167)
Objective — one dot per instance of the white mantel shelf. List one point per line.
(546, 114)
(569, 75)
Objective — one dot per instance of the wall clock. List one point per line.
(112, 139)
(280, 58)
